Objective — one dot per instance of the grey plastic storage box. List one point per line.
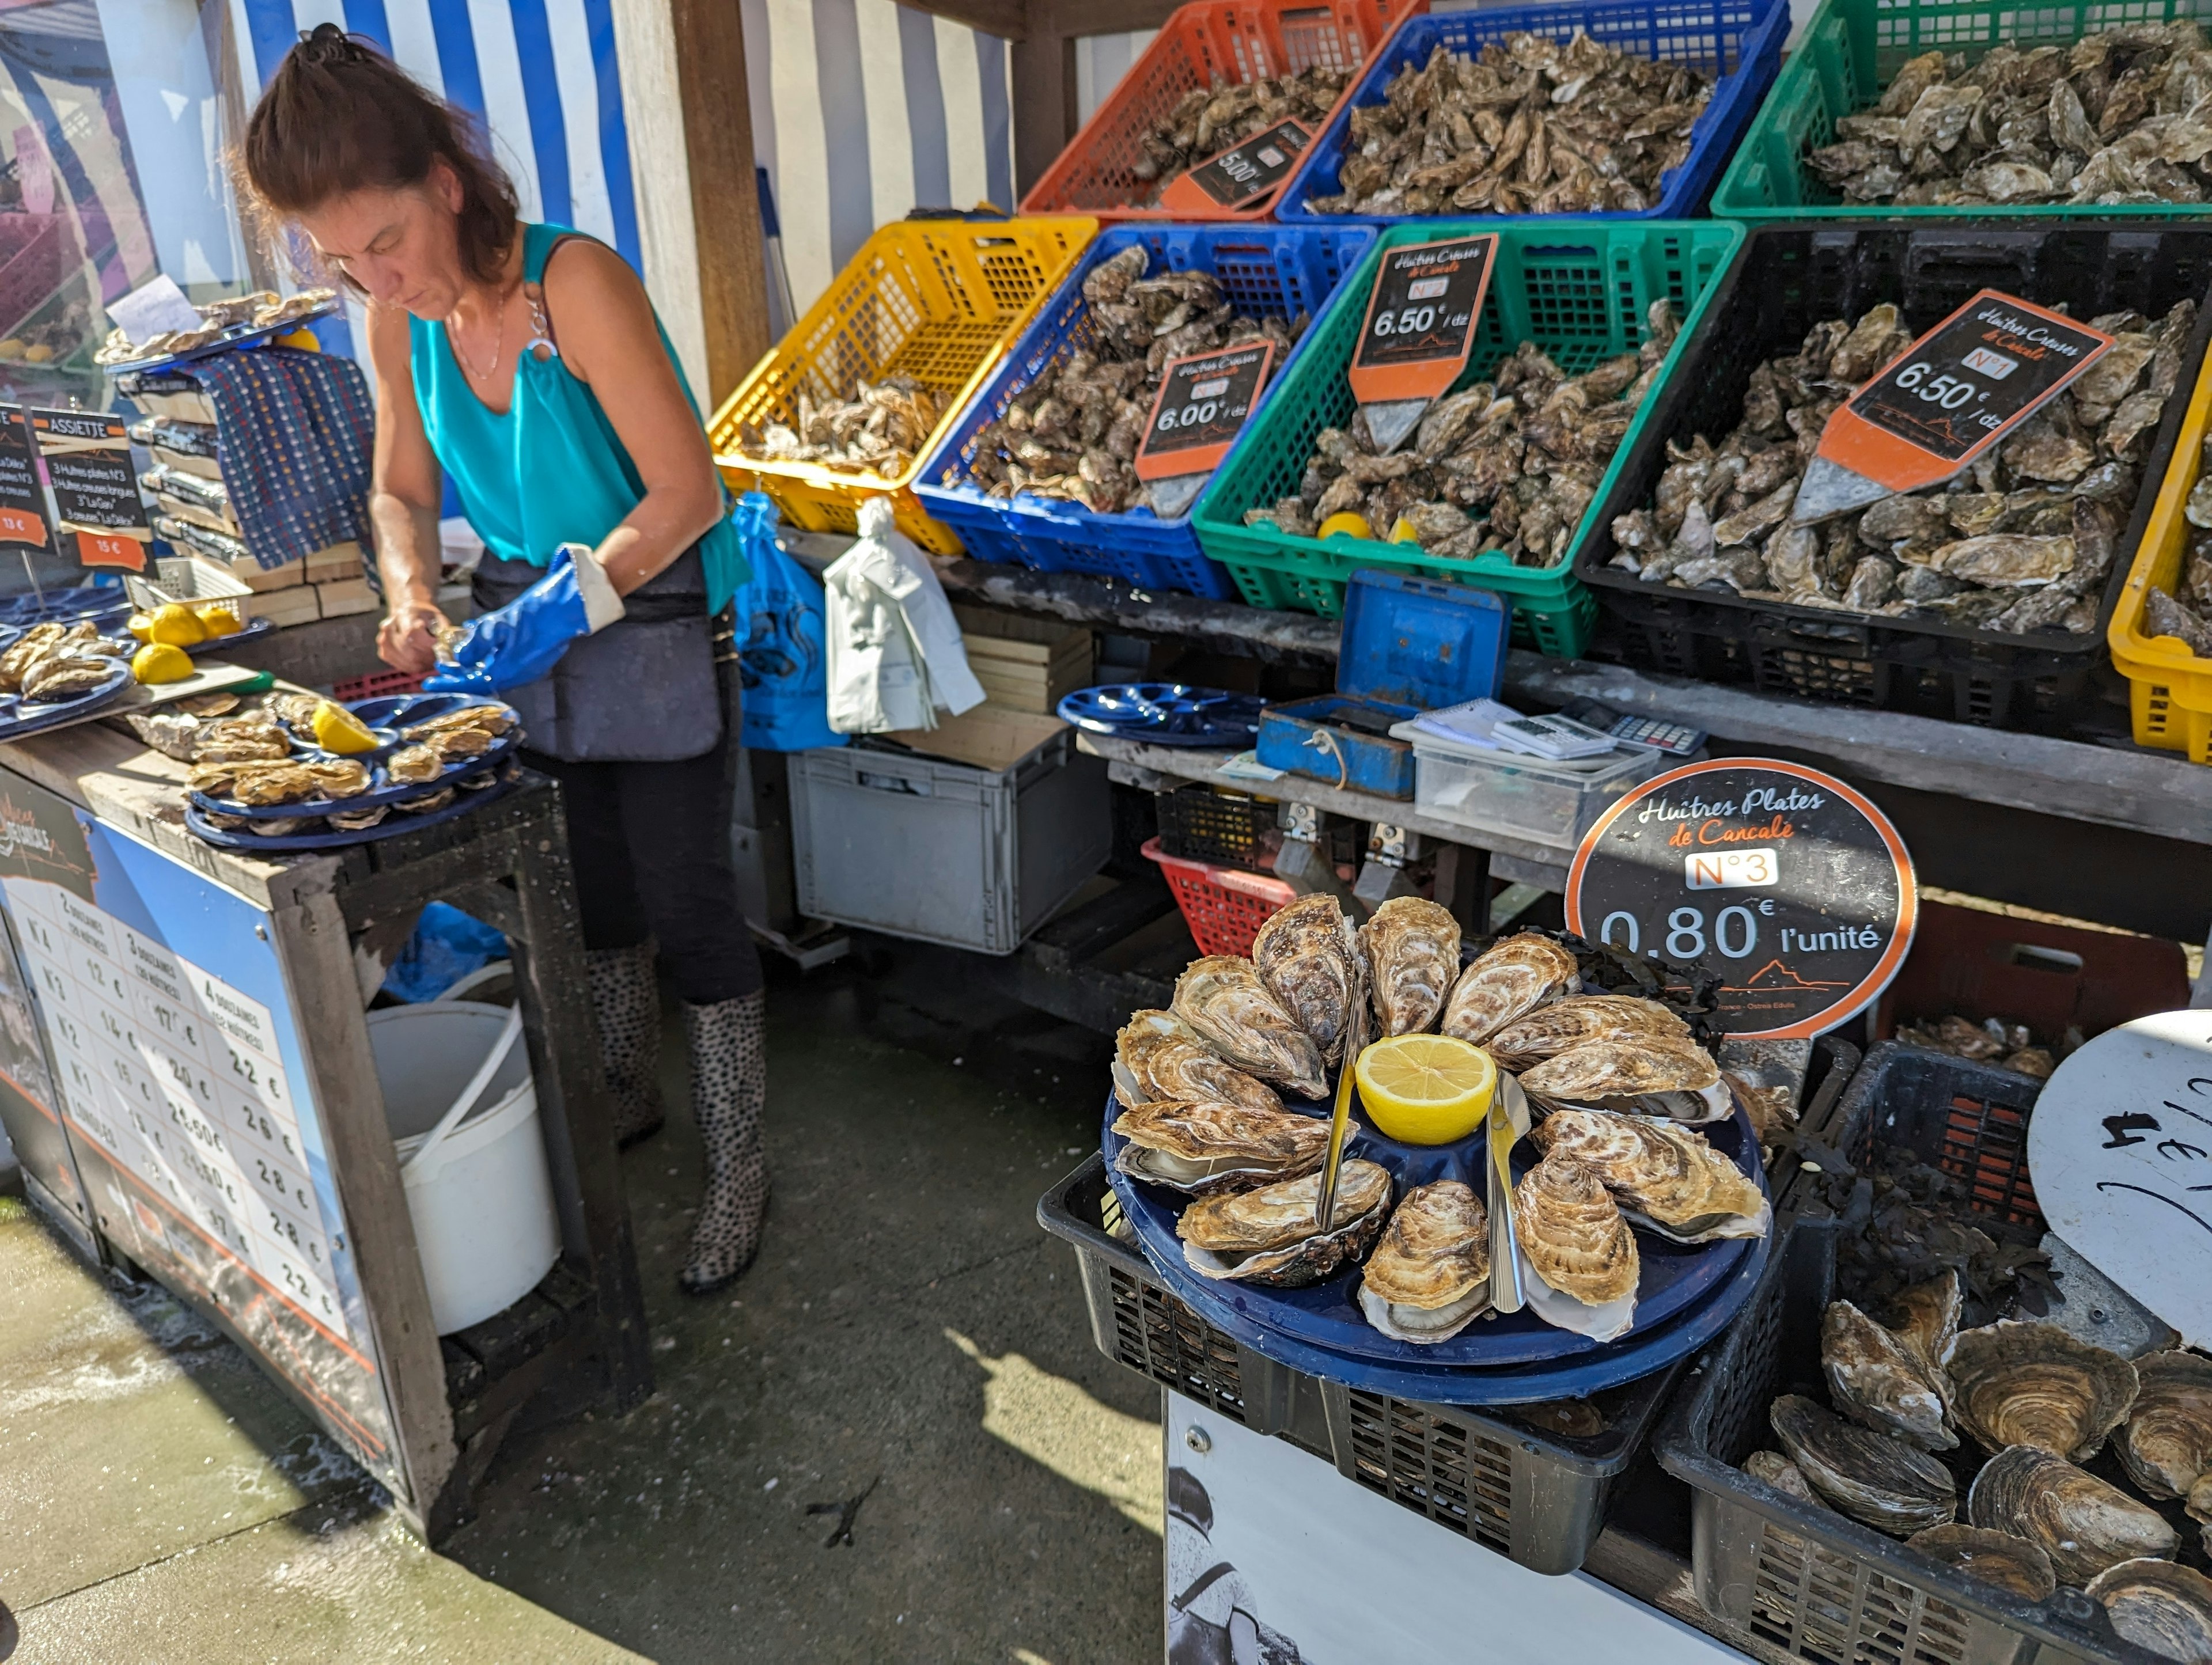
(1508, 792)
(972, 846)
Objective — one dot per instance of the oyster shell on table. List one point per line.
(1652, 1075)
(1157, 1055)
(1307, 956)
(1507, 982)
(2159, 1606)
(1572, 1233)
(1429, 1277)
(1223, 999)
(1412, 947)
(1549, 1030)
(2019, 1383)
(1664, 1175)
(1873, 1379)
(2083, 1523)
(2013, 1565)
(1198, 1147)
(2167, 1444)
(1784, 1475)
(1883, 1482)
(65, 676)
(1269, 1236)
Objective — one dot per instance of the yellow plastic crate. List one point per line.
(941, 300)
(2169, 688)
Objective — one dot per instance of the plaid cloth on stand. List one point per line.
(294, 434)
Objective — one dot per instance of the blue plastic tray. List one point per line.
(386, 714)
(1677, 1277)
(1165, 714)
(1742, 37)
(1261, 268)
(20, 717)
(391, 827)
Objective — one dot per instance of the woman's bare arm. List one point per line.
(404, 493)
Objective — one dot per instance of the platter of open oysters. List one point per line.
(56, 671)
(1636, 1196)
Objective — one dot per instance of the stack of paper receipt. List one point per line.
(1492, 726)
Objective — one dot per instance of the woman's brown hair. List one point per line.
(339, 115)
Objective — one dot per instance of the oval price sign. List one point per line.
(1788, 885)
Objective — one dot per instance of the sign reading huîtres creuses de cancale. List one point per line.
(1786, 883)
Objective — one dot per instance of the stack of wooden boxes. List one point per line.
(330, 583)
(1024, 663)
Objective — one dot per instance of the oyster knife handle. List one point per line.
(1503, 1130)
(1355, 1042)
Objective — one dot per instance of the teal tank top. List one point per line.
(551, 470)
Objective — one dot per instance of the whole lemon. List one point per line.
(176, 624)
(160, 661)
(338, 730)
(217, 619)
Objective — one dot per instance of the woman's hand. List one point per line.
(407, 640)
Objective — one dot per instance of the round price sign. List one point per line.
(1784, 883)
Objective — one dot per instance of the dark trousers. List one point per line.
(651, 845)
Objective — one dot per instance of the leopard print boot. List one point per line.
(626, 1001)
(729, 1091)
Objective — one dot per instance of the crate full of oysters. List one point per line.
(1982, 598)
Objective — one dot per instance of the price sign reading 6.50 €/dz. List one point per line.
(1418, 331)
(1785, 883)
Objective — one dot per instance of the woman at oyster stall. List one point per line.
(525, 362)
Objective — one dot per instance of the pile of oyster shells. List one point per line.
(1620, 1081)
(1508, 465)
(1527, 126)
(2022, 541)
(2122, 116)
(2037, 1404)
(1073, 431)
(1207, 120)
(1992, 1040)
(880, 427)
(2187, 616)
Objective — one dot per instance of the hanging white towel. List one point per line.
(895, 656)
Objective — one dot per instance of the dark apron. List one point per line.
(644, 690)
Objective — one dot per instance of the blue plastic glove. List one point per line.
(522, 641)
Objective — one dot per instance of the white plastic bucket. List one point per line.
(464, 1114)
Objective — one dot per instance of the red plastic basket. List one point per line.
(1212, 43)
(1224, 906)
(377, 685)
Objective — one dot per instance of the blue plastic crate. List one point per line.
(1741, 40)
(1261, 268)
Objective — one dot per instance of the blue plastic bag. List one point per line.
(782, 660)
(447, 945)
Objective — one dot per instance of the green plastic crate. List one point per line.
(1852, 49)
(1578, 288)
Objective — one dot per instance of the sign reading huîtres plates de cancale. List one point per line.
(1784, 883)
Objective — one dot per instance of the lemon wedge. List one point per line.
(1425, 1088)
(338, 730)
(159, 662)
(141, 625)
(176, 624)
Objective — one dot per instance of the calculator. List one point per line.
(1676, 740)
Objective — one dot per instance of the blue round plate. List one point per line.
(20, 716)
(1166, 713)
(391, 827)
(237, 336)
(387, 714)
(1676, 1276)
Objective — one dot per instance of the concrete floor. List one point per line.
(907, 1328)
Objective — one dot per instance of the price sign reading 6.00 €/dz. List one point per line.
(1203, 404)
(1785, 883)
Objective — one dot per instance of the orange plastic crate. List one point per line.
(1224, 906)
(1213, 42)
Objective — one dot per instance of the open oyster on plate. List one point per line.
(2166, 1445)
(1198, 1147)
(1307, 956)
(1669, 1076)
(1509, 980)
(1157, 1055)
(1411, 946)
(2011, 1564)
(1269, 1235)
(2015, 1383)
(1885, 1483)
(2083, 1523)
(2160, 1606)
(1571, 1233)
(1552, 1029)
(1429, 1277)
(1223, 999)
(1664, 1175)
(1873, 1379)
(65, 676)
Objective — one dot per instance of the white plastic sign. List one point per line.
(2120, 1150)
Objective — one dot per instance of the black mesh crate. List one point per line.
(1789, 278)
(1201, 823)
(1805, 1583)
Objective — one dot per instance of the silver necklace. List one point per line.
(498, 345)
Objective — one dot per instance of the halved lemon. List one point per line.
(159, 662)
(1425, 1088)
(217, 618)
(338, 730)
(176, 625)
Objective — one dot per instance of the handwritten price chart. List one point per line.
(175, 1074)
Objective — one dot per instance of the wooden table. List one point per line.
(124, 919)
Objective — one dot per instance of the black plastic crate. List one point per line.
(1806, 1582)
(1201, 823)
(1506, 1478)
(1789, 278)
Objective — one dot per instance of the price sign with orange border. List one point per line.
(1241, 175)
(1958, 390)
(1787, 884)
(1204, 401)
(1421, 317)
(87, 457)
(22, 498)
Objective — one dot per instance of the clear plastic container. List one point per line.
(1533, 798)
